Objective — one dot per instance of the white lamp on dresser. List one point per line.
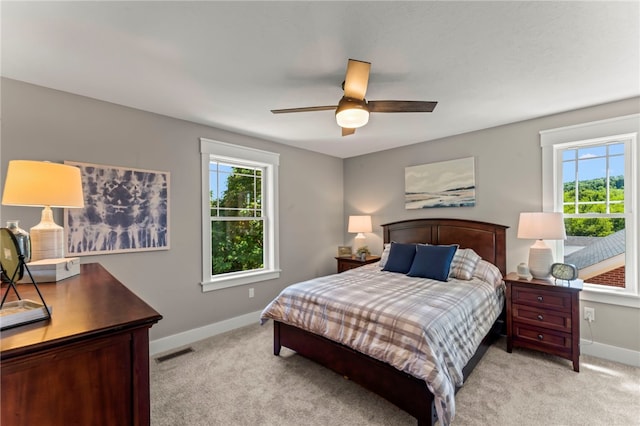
(44, 184)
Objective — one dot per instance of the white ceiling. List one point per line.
(227, 64)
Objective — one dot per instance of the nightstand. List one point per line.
(346, 263)
(543, 316)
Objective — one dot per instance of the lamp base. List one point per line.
(360, 241)
(540, 260)
(47, 238)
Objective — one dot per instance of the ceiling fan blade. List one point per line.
(305, 109)
(347, 131)
(401, 106)
(356, 79)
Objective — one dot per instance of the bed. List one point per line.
(399, 385)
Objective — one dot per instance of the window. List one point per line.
(239, 213)
(237, 224)
(593, 202)
(590, 174)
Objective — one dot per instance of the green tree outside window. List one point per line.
(237, 225)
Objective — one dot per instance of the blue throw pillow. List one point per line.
(432, 262)
(400, 258)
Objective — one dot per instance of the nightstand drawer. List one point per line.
(540, 337)
(346, 263)
(548, 318)
(345, 266)
(541, 298)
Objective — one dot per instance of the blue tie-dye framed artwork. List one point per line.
(125, 210)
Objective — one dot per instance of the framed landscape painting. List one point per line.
(125, 210)
(443, 184)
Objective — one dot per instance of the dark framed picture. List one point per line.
(344, 251)
(125, 210)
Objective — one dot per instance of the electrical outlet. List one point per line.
(589, 314)
(251, 293)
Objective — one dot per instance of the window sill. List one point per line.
(238, 280)
(609, 297)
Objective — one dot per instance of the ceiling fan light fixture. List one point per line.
(352, 113)
(353, 110)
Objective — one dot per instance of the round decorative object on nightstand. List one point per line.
(564, 271)
(523, 271)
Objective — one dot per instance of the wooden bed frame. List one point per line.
(407, 392)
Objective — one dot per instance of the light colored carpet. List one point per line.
(234, 379)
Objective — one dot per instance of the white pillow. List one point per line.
(463, 264)
(385, 255)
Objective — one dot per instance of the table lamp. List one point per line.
(541, 226)
(359, 224)
(44, 184)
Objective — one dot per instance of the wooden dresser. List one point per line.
(88, 364)
(543, 316)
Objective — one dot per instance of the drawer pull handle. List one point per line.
(540, 298)
(540, 337)
(540, 317)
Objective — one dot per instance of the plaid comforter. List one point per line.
(427, 328)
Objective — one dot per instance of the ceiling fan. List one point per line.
(353, 109)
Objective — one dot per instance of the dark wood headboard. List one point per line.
(486, 239)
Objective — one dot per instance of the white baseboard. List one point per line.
(611, 353)
(188, 337)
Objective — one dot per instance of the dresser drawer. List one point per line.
(538, 338)
(541, 298)
(540, 317)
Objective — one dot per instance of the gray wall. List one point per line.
(44, 124)
(508, 162)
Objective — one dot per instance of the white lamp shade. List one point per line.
(40, 183)
(359, 224)
(541, 226)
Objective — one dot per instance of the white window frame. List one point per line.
(553, 141)
(269, 162)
